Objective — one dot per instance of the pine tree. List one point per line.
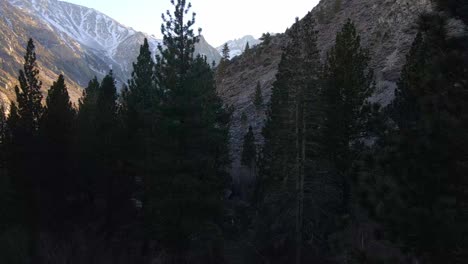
(112, 184)
(102, 159)
(11, 149)
(286, 165)
(25, 158)
(28, 95)
(57, 121)
(176, 52)
(247, 48)
(3, 139)
(142, 85)
(141, 101)
(90, 94)
(419, 162)
(249, 150)
(225, 52)
(346, 85)
(57, 126)
(12, 125)
(107, 105)
(186, 196)
(86, 141)
(258, 97)
(225, 56)
(249, 161)
(5, 188)
(13, 238)
(266, 39)
(86, 116)
(141, 117)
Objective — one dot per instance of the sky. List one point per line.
(221, 20)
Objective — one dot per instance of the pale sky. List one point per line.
(221, 20)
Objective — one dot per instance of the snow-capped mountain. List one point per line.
(87, 26)
(96, 33)
(237, 46)
(77, 41)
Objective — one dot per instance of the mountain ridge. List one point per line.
(237, 46)
(74, 40)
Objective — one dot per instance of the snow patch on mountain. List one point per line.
(237, 46)
(104, 41)
(87, 26)
(96, 33)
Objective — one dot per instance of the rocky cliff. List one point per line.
(387, 29)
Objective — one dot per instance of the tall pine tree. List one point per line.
(85, 143)
(247, 48)
(57, 127)
(266, 39)
(112, 185)
(187, 194)
(226, 52)
(346, 82)
(225, 56)
(420, 166)
(28, 94)
(25, 148)
(288, 157)
(141, 113)
(140, 108)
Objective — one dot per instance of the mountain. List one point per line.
(77, 41)
(387, 30)
(56, 53)
(207, 50)
(237, 46)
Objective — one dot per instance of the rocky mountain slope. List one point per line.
(77, 41)
(207, 50)
(387, 29)
(237, 88)
(237, 46)
(56, 54)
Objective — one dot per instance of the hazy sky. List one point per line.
(221, 20)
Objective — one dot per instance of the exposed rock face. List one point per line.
(387, 29)
(56, 53)
(237, 88)
(205, 49)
